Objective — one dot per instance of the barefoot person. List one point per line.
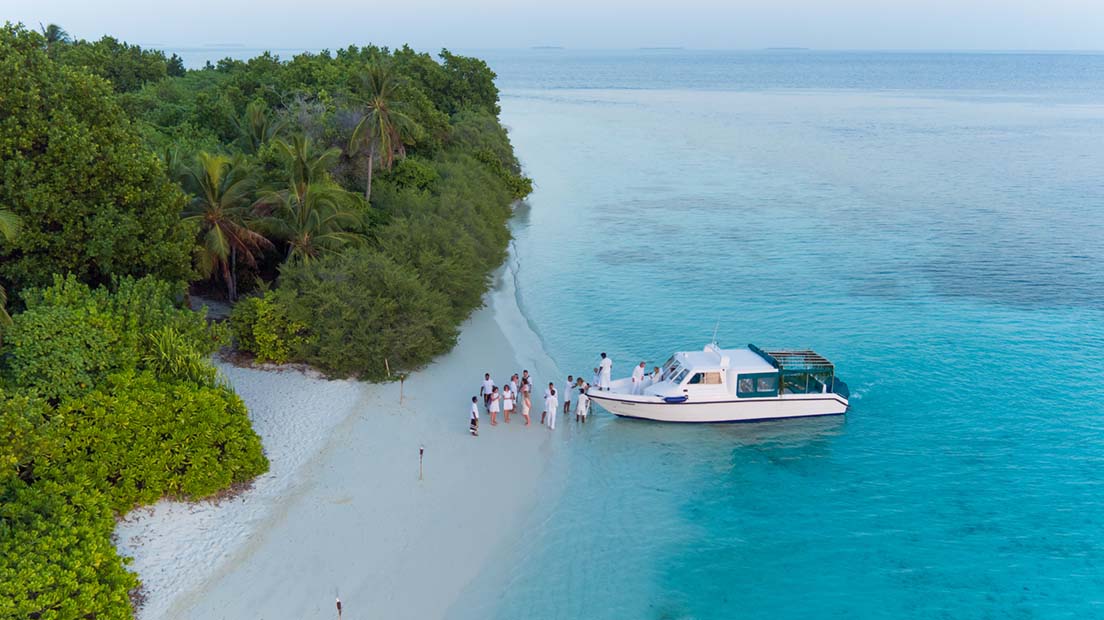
(582, 407)
(474, 423)
(551, 405)
(507, 402)
(485, 390)
(605, 370)
(544, 414)
(526, 404)
(495, 404)
(567, 391)
(638, 379)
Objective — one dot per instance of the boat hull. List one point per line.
(736, 410)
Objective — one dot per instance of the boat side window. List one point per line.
(746, 385)
(767, 384)
(706, 378)
(682, 375)
(758, 385)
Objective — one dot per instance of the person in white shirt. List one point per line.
(547, 393)
(485, 390)
(605, 370)
(551, 404)
(474, 419)
(508, 396)
(567, 391)
(495, 404)
(638, 379)
(597, 376)
(582, 407)
(656, 375)
(514, 384)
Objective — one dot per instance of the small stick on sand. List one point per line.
(421, 453)
(339, 608)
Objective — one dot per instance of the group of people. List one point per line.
(515, 396)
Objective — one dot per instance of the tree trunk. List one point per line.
(231, 281)
(371, 164)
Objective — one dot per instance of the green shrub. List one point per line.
(137, 439)
(72, 336)
(169, 355)
(363, 309)
(57, 560)
(261, 326)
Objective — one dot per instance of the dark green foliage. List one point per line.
(127, 67)
(362, 309)
(71, 337)
(94, 200)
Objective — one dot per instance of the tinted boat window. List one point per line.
(768, 384)
(746, 386)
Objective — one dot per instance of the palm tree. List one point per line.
(9, 230)
(314, 219)
(305, 164)
(257, 127)
(222, 187)
(384, 126)
(54, 34)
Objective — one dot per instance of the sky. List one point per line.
(591, 24)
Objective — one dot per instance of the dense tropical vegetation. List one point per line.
(350, 205)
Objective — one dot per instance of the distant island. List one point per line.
(547, 47)
(787, 49)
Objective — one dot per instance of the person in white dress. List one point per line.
(605, 370)
(544, 413)
(582, 407)
(508, 397)
(495, 404)
(567, 391)
(515, 385)
(526, 403)
(473, 424)
(552, 405)
(638, 379)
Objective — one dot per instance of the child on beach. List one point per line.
(474, 424)
(493, 408)
(526, 404)
(507, 402)
(583, 406)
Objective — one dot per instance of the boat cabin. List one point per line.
(746, 373)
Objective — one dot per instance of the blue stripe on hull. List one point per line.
(791, 417)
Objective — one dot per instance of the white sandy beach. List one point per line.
(342, 511)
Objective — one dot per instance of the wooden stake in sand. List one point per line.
(402, 382)
(339, 608)
(421, 453)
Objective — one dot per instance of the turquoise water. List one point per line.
(933, 223)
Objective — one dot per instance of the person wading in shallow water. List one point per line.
(582, 407)
(566, 393)
(551, 404)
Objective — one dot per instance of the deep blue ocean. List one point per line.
(931, 222)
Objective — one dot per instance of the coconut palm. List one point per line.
(305, 164)
(9, 230)
(313, 219)
(257, 126)
(54, 34)
(383, 129)
(222, 187)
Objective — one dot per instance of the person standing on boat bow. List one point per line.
(638, 379)
(605, 370)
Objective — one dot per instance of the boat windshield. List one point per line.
(682, 375)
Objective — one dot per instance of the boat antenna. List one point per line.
(715, 327)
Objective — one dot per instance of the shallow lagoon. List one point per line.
(939, 239)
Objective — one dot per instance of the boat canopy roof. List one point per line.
(714, 357)
(795, 361)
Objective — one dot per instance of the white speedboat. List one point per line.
(731, 385)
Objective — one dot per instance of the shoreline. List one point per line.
(342, 512)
